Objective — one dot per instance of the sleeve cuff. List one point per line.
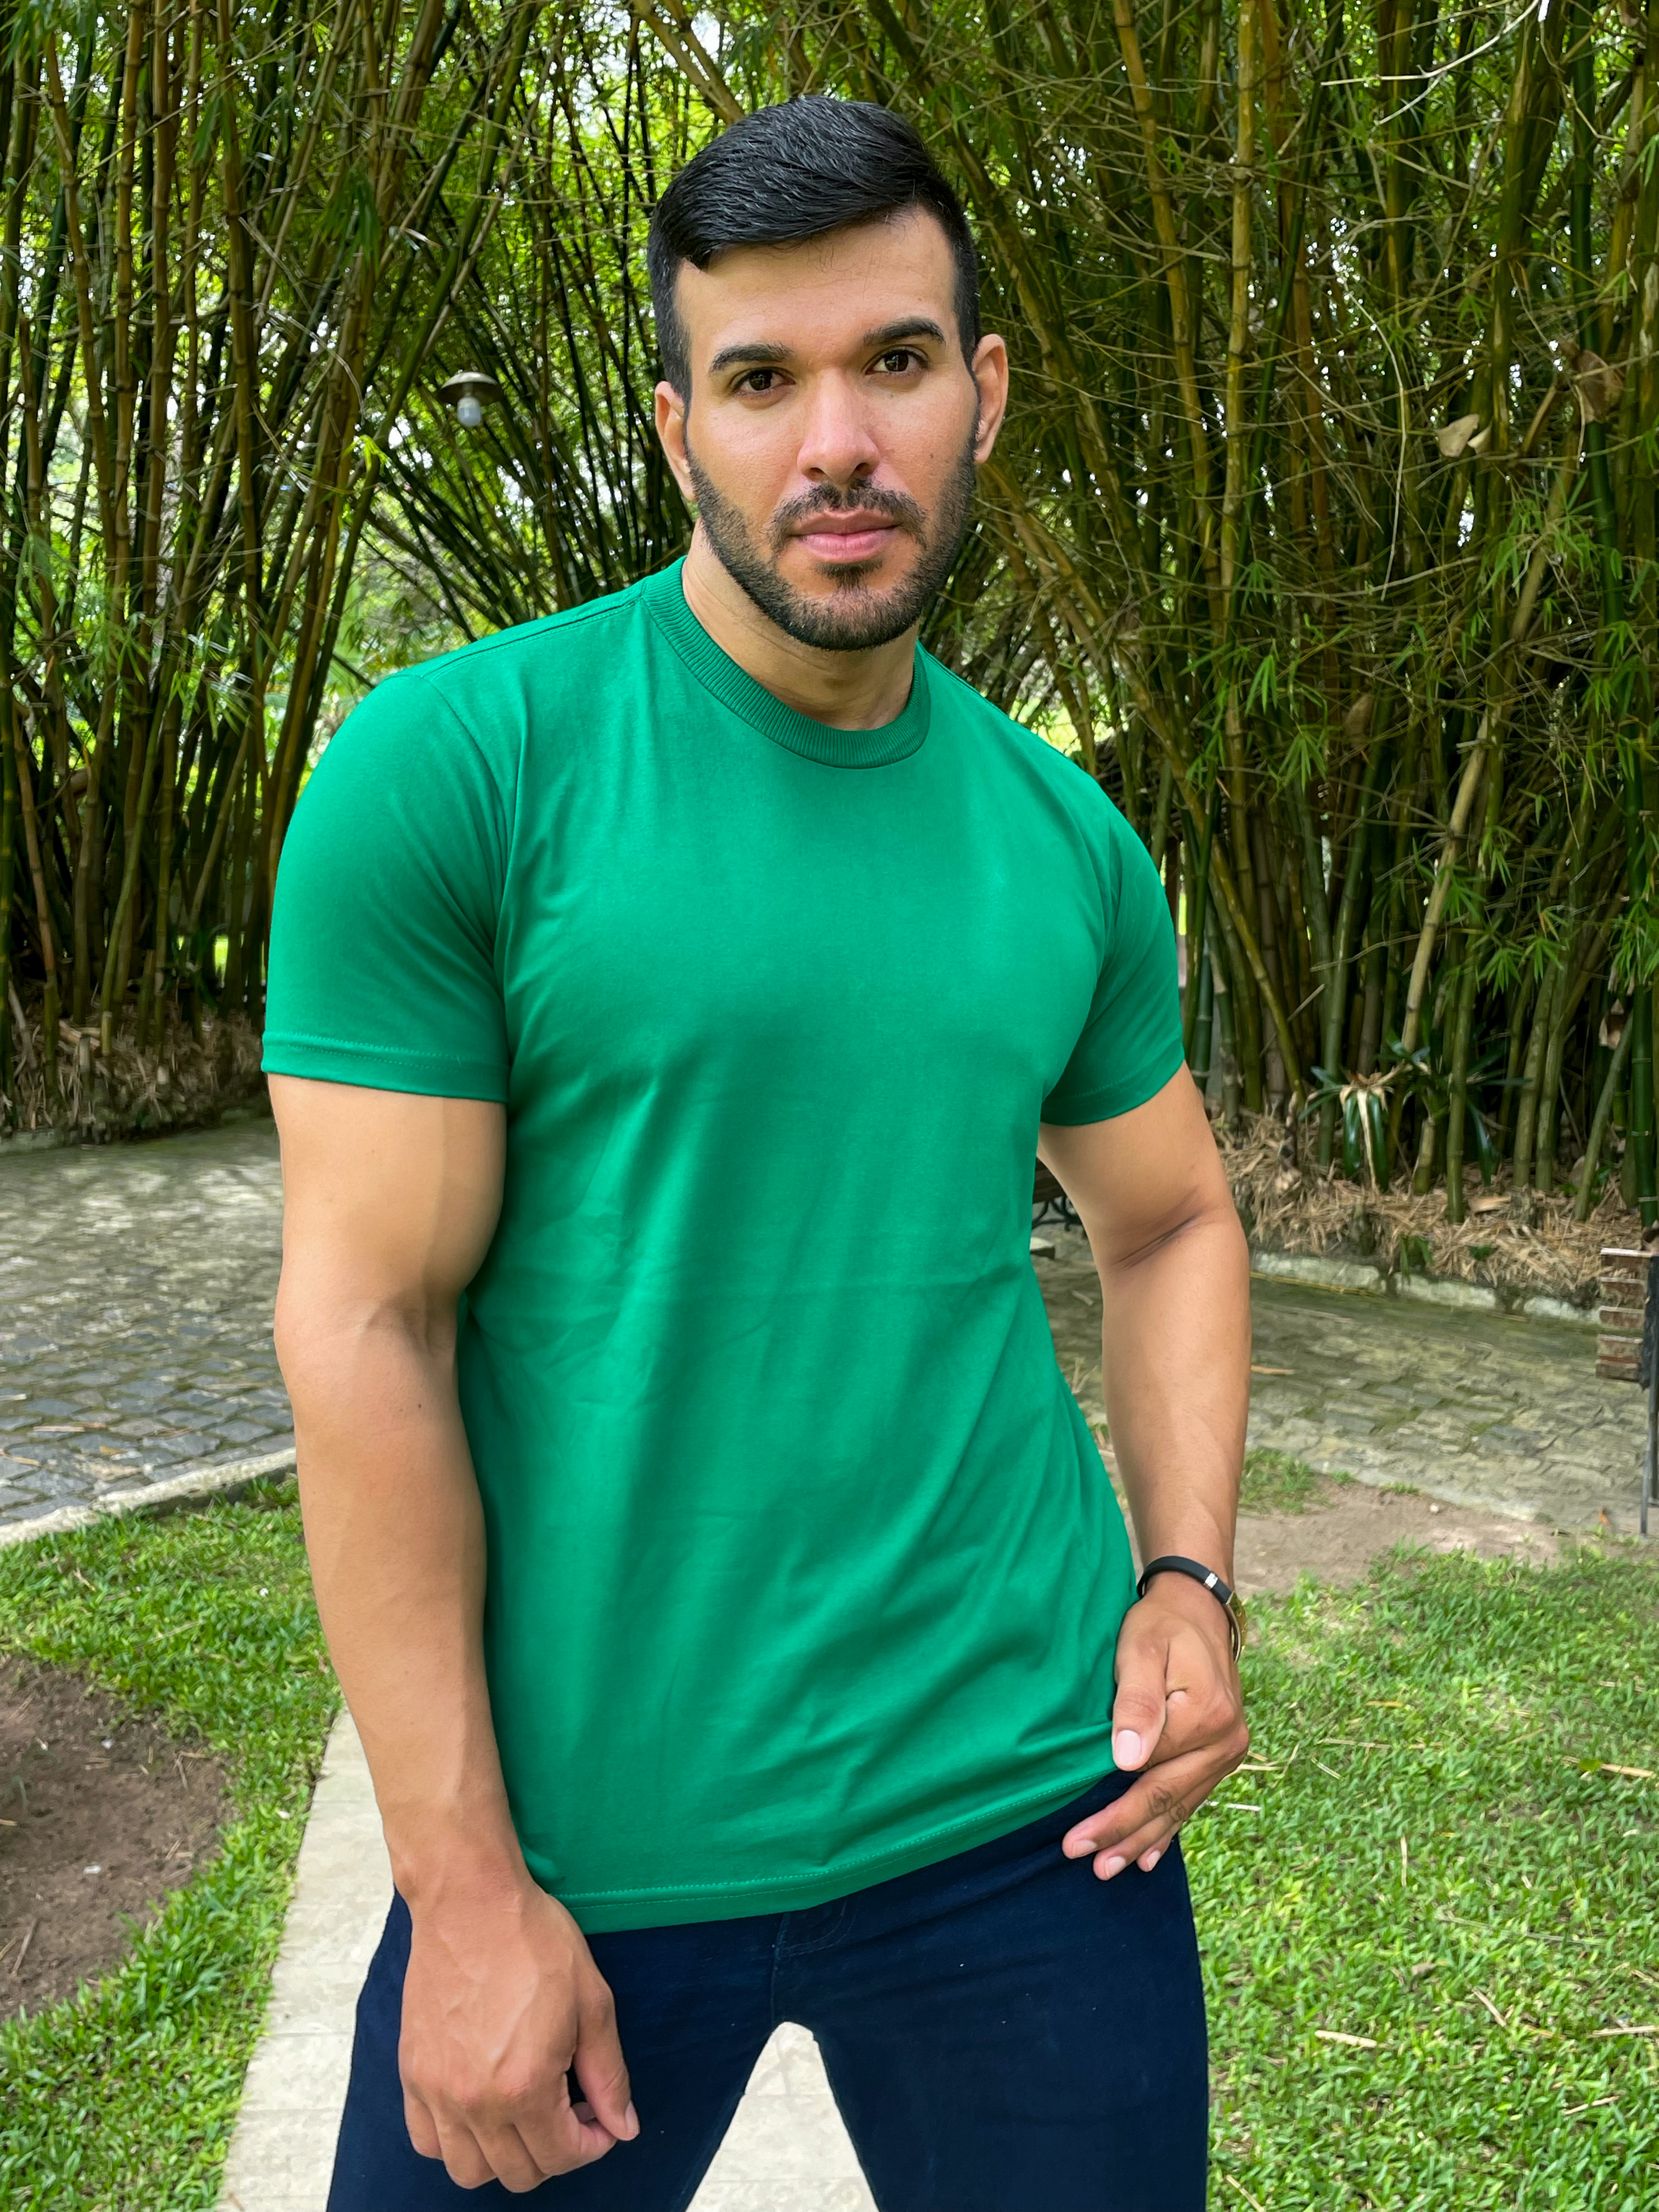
(386, 1068)
(1104, 1102)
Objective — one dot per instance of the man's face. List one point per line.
(833, 425)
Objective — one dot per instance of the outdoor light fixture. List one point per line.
(467, 393)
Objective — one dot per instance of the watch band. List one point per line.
(1223, 1593)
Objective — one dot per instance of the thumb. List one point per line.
(1138, 1709)
(599, 2066)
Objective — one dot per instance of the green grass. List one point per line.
(124, 2098)
(1472, 1708)
(1275, 1483)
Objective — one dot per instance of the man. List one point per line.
(666, 1000)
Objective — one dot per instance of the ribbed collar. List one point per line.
(735, 687)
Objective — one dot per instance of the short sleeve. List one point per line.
(1131, 1044)
(388, 890)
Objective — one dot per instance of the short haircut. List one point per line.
(795, 172)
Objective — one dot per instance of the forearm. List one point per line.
(1176, 1371)
(395, 1532)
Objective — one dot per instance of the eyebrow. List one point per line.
(760, 353)
(913, 327)
(757, 352)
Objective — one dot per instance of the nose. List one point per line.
(837, 444)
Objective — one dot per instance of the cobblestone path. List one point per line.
(1482, 1409)
(137, 1283)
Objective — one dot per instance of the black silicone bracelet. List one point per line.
(1225, 1596)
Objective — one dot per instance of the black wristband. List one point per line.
(1225, 1596)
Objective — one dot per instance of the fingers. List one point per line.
(1175, 1686)
(1137, 1828)
(1142, 1703)
(500, 2155)
(468, 2162)
(1145, 1817)
(423, 2128)
(601, 2069)
(478, 2148)
(577, 2133)
(563, 2138)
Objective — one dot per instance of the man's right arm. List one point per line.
(390, 1201)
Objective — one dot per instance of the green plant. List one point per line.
(1274, 1482)
(124, 2098)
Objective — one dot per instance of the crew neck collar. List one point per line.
(799, 733)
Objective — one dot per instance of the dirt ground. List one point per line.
(1345, 1528)
(100, 1815)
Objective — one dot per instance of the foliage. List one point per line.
(1427, 1947)
(1324, 528)
(125, 2096)
(209, 220)
(1323, 520)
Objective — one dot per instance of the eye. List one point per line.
(758, 381)
(899, 360)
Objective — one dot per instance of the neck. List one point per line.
(847, 691)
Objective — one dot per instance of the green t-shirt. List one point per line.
(804, 1570)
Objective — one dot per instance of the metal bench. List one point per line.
(1050, 1208)
(1627, 1349)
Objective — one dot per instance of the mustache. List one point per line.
(865, 499)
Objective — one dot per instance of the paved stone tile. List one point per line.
(1482, 1409)
(136, 1284)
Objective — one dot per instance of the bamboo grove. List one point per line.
(1323, 531)
(211, 223)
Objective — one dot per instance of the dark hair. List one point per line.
(794, 172)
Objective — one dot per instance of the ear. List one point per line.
(990, 373)
(670, 432)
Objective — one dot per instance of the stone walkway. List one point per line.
(137, 1283)
(1482, 1409)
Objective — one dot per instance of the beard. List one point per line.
(857, 615)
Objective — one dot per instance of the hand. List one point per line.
(502, 1999)
(1178, 1713)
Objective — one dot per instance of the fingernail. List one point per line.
(1150, 1860)
(1111, 1867)
(630, 2125)
(1079, 1847)
(1126, 1748)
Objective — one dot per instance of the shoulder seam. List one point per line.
(567, 617)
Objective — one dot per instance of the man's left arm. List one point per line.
(1173, 1272)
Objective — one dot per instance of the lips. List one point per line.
(847, 538)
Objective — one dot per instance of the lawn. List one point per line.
(124, 2099)
(1427, 1904)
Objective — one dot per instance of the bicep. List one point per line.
(390, 1198)
(1141, 1176)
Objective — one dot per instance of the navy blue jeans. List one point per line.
(1003, 2033)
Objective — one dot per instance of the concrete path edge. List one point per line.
(191, 1486)
(283, 2152)
(786, 2150)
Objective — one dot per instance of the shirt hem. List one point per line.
(678, 1905)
